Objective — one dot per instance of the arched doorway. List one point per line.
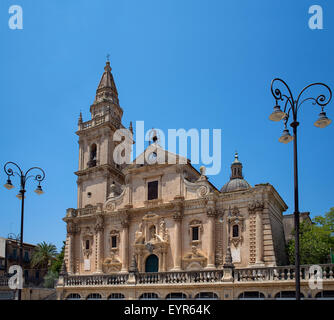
(152, 263)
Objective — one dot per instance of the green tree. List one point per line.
(53, 273)
(43, 255)
(316, 240)
(58, 261)
(50, 279)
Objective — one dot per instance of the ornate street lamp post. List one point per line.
(9, 166)
(292, 106)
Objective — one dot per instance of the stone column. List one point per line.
(71, 231)
(139, 259)
(178, 242)
(163, 261)
(70, 254)
(99, 243)
(125, 246)
(211, 232)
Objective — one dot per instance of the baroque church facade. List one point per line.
(159, 226)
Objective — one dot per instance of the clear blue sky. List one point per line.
(177, 64)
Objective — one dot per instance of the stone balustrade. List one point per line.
(179, 277)
(259, 274)
(86, 211)
(98, 120)
(284, 273)
(96, 280)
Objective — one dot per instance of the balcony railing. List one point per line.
(261, 274)
(284, 273)
(100, 120)
(96, 280)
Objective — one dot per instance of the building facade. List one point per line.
(9, 256)
(160, 229)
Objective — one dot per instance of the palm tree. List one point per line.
(43, 255)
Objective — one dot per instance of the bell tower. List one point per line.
(97, 169)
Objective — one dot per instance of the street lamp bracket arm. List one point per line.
(321, 100)
(277, 93)
(9, 171)
(38, 177)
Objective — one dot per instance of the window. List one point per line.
(149, 296)
(325, 295)
(26, 256)
(195, 230)
(94, 296)
(195, 233)
(114, 241)
(176, 296)
(37, 275)
(87, 244)
(251, 295)
(73, 296)
(152, 190)
(14, 253)
(26, 275)
(206, 296)
(116, 296)
(287, 295)
(235, 231)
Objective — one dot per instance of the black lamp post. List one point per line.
(291, 105)
(23, 179)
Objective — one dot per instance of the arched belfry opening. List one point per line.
(92, 155)
(152, 263)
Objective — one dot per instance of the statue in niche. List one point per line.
(139, 235)
(163, 231)
(152, 233)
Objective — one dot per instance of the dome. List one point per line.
(235, 184)
(237, 181)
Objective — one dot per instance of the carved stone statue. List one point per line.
(139, 235)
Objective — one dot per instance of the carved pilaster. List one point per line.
(125, 241)
(255, 210)
(99, 225)
(177, 216)
(72, 229)
(211, 214)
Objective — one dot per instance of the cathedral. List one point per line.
(160, 230)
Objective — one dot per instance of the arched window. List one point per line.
(176, 296)
(94, 296)
(235, 231)
(116, 296)
(287, 295)
(149, 296)
(152, 263)
(87, 244)
(73, 296)
(92, 156)
(325, 295)
(251, 295)
(206, 296)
